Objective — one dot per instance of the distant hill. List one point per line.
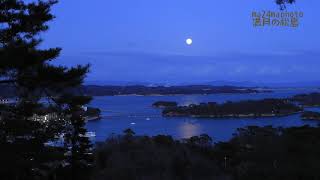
(95, 90)
(311, 84)
(249, 84)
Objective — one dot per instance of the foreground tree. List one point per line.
(23, 66)
(282, 3)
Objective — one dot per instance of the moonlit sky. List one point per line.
(145, 41)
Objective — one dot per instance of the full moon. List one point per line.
(189, 41)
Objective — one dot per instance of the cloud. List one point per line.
(140, 66)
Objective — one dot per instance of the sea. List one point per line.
(136, 112)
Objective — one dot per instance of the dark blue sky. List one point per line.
(144, 40)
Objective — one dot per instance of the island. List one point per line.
(164, 104)
(307, 100)
(241, 109)
(93, 90)
(143, 90)
(310, 115)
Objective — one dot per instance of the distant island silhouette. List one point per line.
(94, 90)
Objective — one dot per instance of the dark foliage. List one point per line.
(262, 153)
(26, 69)
(269, 153)
(151, 158)
(282, 3)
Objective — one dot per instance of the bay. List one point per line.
(137, 113)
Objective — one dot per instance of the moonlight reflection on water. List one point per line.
(189, 129)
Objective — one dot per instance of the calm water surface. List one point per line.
(136, 112)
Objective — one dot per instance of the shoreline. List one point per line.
(93, 118)
(178, 94)
(239, 116)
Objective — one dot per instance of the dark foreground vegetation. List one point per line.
(258, 108)
(31, 76)
(257, 153)
(283, 3)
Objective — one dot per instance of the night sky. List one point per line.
(144, 41)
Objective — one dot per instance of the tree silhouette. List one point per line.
(282, 3)
(129, 132)
(27, 68)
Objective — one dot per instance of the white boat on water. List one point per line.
(90, 134)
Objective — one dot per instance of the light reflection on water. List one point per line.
(187, 129)
(187, 100)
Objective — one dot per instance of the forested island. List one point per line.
(242, 109)
(307, 100)
(164, 104)
(310, 115)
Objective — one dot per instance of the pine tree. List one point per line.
(282, 3)
(24, 66)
